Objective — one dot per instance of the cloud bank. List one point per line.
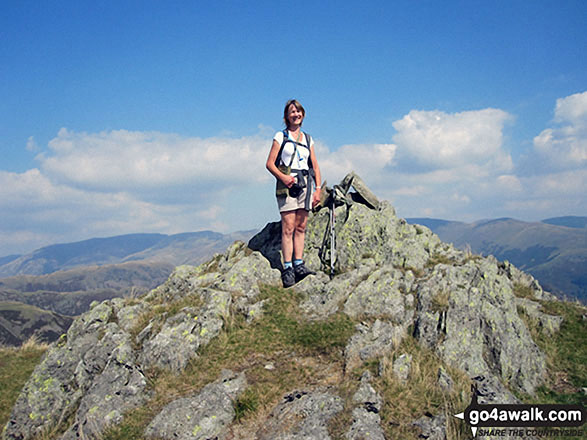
(447, 165)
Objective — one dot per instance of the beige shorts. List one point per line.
(287, 203)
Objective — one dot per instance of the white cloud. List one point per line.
(436, 139)
(38, 211)
(130, 160)
(572, 109)
(565, 146)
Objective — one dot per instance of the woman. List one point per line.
(292, 161)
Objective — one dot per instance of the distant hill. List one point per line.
(569, 221)
(67, 278)
(556, 254)
(19, 322)
(8, 259)
(186, 248)
(70, 292)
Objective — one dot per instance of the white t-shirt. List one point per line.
(302, 156)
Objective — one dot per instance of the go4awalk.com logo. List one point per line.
(524, 420)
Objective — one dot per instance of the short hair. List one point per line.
(297, 105)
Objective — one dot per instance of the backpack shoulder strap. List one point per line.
(308, 139)
(283, 142)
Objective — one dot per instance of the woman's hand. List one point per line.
(288, 180)
(316, 197)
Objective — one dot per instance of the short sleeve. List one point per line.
(278, 137)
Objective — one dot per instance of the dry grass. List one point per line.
(421, 394)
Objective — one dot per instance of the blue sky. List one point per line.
(152, 116)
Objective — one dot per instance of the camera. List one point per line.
(295, 190)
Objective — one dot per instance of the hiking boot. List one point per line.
(288, 277)
(301, 272)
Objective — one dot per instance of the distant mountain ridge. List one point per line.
(569, 221)
(184, 248)
(554, 250)
(67, 278)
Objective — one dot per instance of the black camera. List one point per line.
(295, 190)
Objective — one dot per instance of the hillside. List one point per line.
(185, 248)
(552, 251)
(67, 278)
(19, 322)
(388, 347)
(70, 292)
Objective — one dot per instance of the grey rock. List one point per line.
(402, 367)
(120, 387)
(302, 415)
(371, 341)
(526, 280)
(243, 277)
(385, 293)
(444, 380)
(325, 296)
(363, 235)
(184, 333)
(491, 390)
(90, 376)
(548, 323)
(467, 314)
(366, 422)
(203, 416)
(433, 427)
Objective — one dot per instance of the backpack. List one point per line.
(280, 188)
(286, 139)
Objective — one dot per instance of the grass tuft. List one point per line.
(406, 402)
(566, 354)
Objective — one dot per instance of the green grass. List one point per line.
(16, 366)
(566, 355)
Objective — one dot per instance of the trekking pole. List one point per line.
(332, 237)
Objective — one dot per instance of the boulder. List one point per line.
(302, 415)
(202, 416)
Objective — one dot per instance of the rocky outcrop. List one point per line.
(96, 372)
(393, 281)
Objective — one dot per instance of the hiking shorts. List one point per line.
(287, 203)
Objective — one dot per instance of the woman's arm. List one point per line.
(287, 180)
(317, 177)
